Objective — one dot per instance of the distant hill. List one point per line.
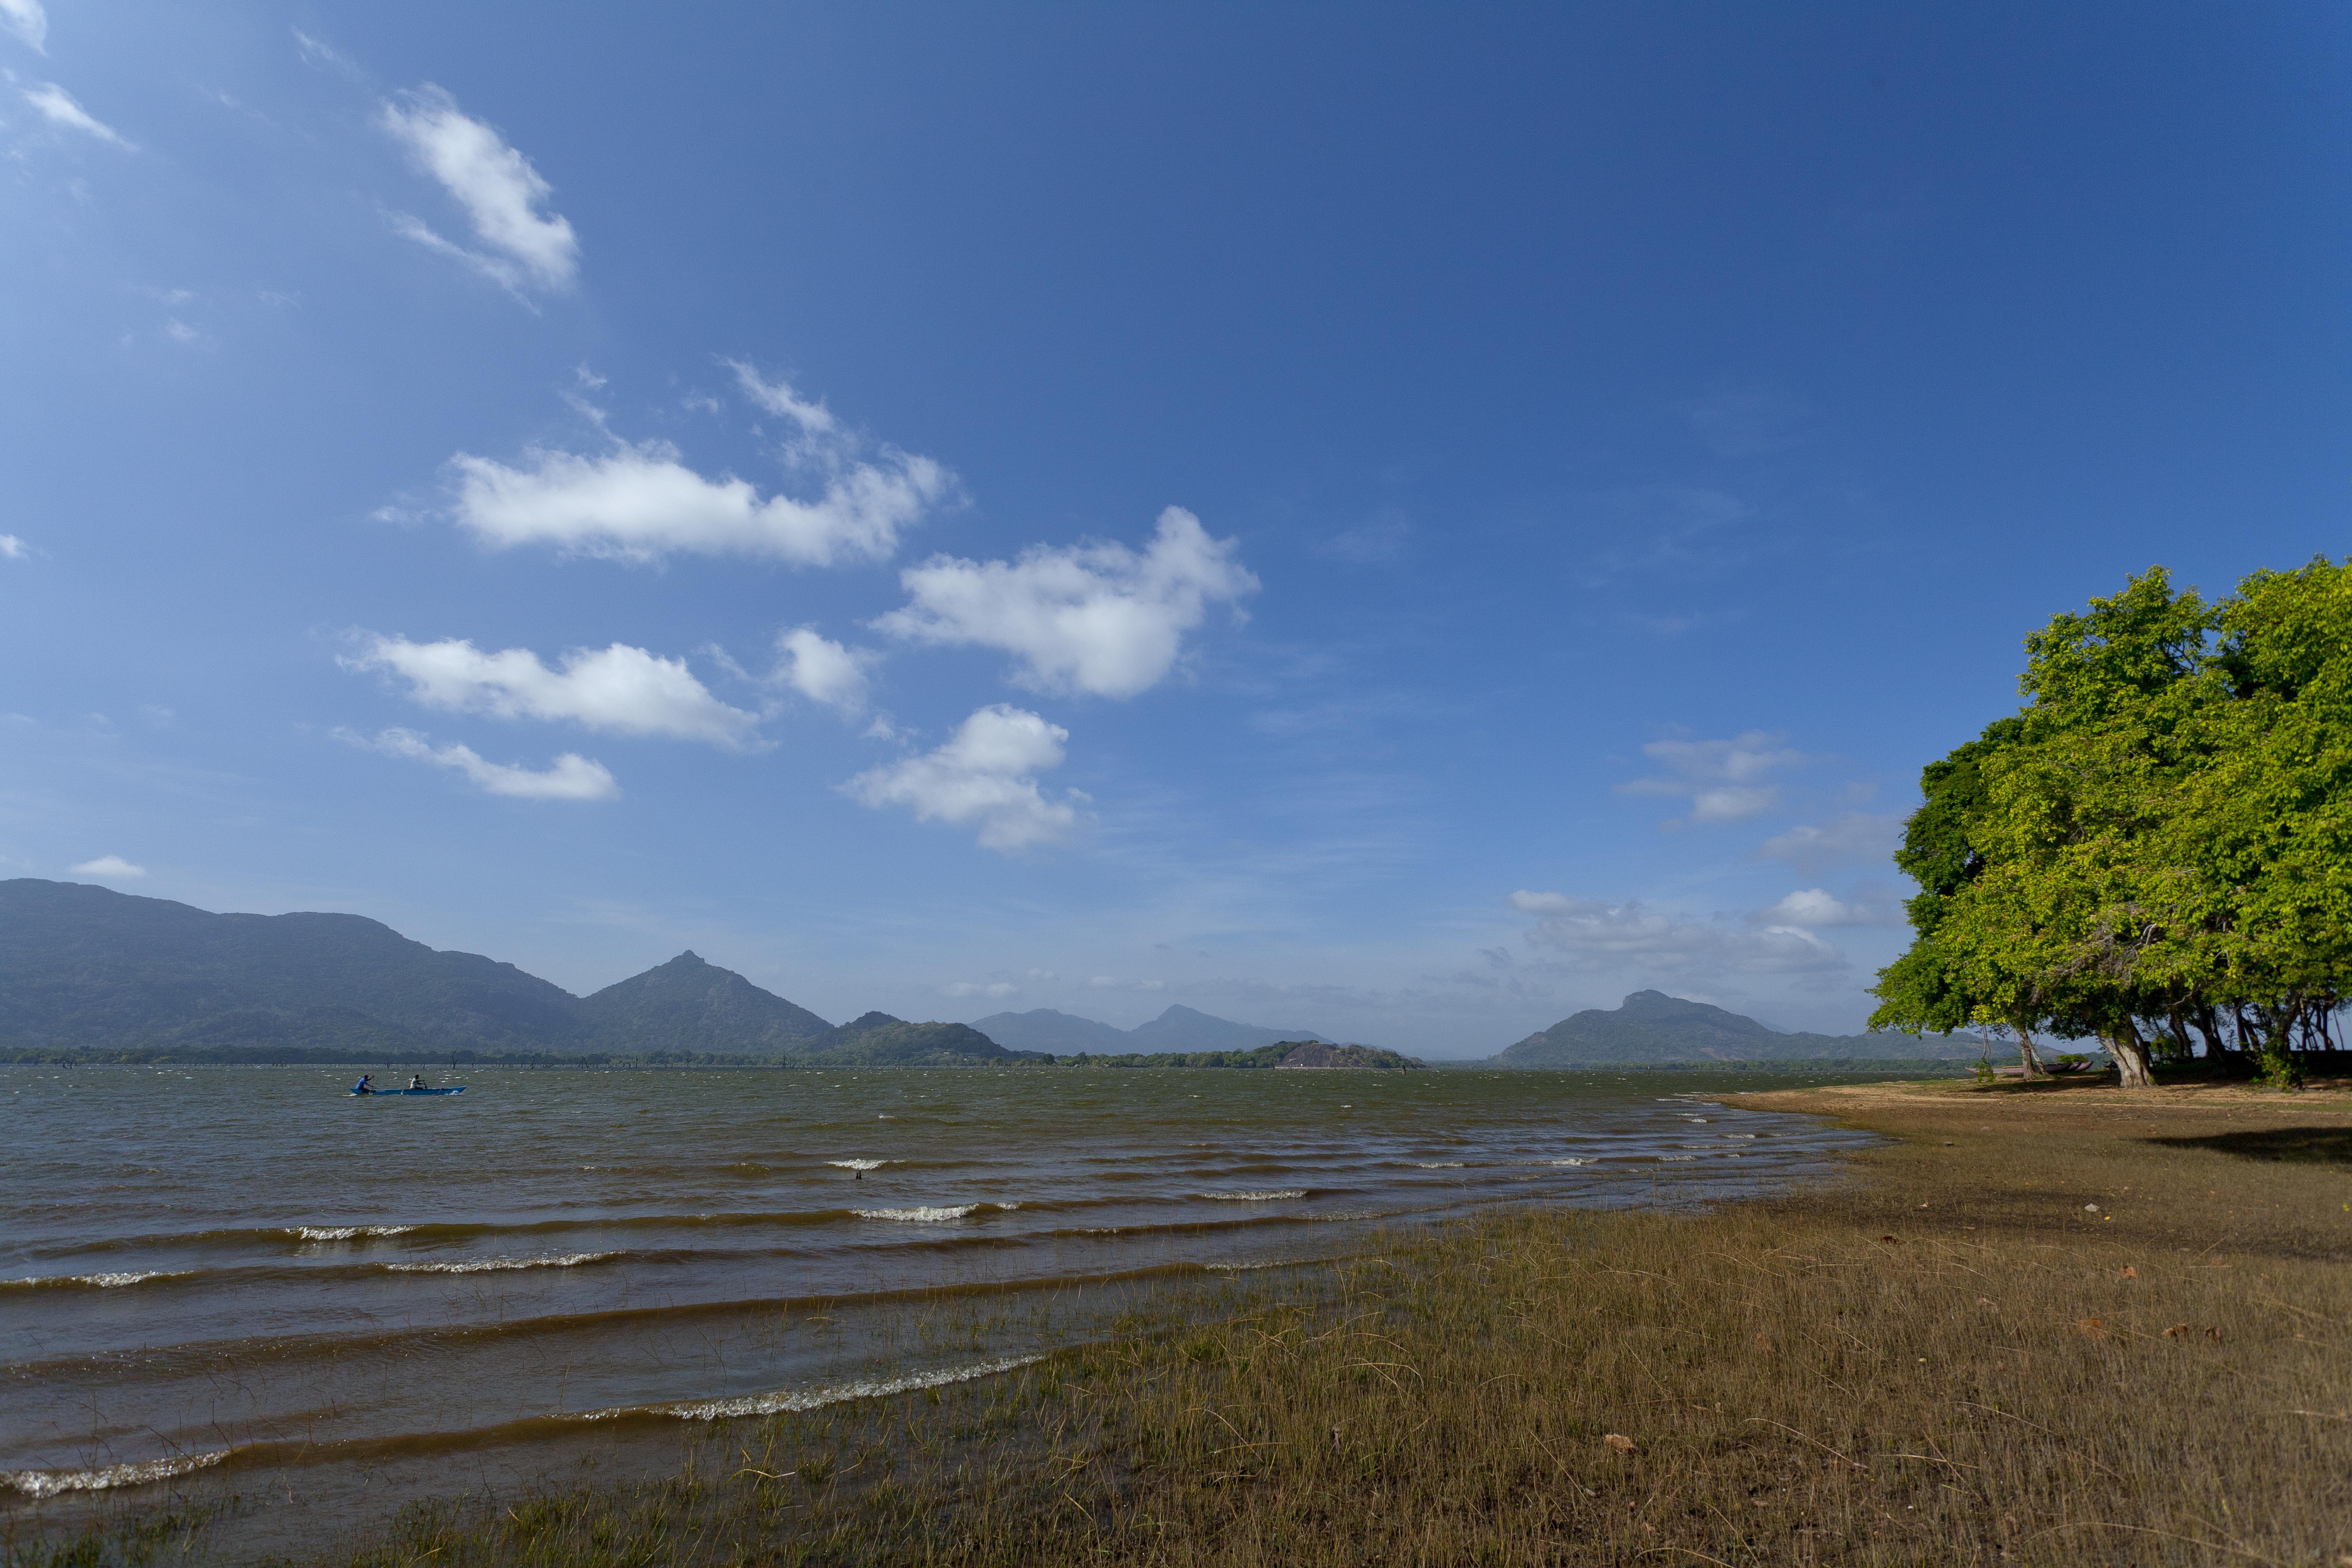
(84, 967)
(88, 969)
(880, 1040)
(688, 1004)
(1177, 1029)
(1652, 1028)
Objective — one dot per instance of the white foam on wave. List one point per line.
(858, 1164)
(346, 1232)
(501, 1265)
(1251, 1197)
(49, 1483)
(1439, 1164)
(926, 1216)
(779, 1403)
(1571, 1160)
(96, 1281)
(1677, 1157)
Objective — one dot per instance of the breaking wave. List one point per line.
(93, 1282)
(811, 1399)
(499, 1265)
(346, 1232)
(49, 1483)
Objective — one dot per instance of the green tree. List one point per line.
(2162, 836)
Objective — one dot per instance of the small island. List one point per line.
(1315, 1055)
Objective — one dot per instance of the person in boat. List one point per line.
(366, 1084)
(417, 1080)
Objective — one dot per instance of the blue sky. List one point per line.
(1402, 522)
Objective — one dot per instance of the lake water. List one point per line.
(212, 1268)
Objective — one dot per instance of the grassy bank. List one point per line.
(1953, 1357)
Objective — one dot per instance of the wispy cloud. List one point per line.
(503, 196)
(58, 108)
(1369, 543)
(14, 549)
(622, 689)
(1813, 908)
(109, 868)
(1847, 841)
(991, 988)
(570, 777)
(985, 776)
(28, 22)
(1625, 935)
(1724, 781)
(1096, 618)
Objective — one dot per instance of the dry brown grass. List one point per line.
(1949, 1359)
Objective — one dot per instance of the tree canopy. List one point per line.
(2160, 842)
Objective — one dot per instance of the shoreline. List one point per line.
(2040, 1324)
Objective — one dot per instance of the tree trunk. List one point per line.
(2131, 1057)
(2276, 1059)
(2028, 1057)
(2217, 1050)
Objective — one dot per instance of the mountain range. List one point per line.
(1650, 1028)
(88, 969)
(1177, 1029)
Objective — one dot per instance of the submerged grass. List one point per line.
(2039, 1327)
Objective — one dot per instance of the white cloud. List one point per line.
(1594, 933)
(1723, 780)
(1858, 836)
(570, 777)
(1095, 617)
(110, 867)
(822, 670)
(1113, 983)
(977, 988)
(501, 192)
(813, 419)
(640, 503)
(13, 548)
(983, 774)
(28, 22)
(1815, 907)
(623, 689)
(58, 108)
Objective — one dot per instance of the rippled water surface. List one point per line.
(200, 1265)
